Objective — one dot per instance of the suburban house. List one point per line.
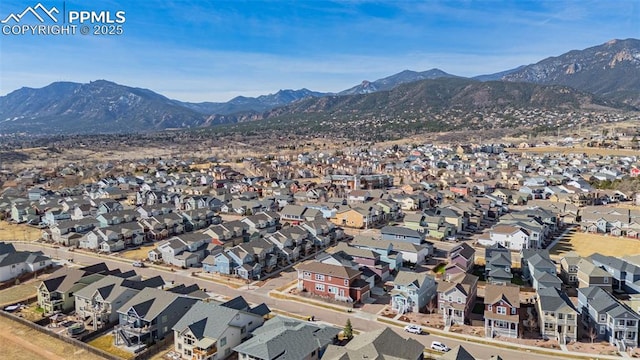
(185, 250)
(17, 263)
(286, 338)
(399, 233)
(569, 269)
(498, 264)
(512, 237)
(380, 344)
(626, 276)
(456, 298)
(56, 293)
(502, 311)
(589, 274)
(98, 302)
(354, 218)
(150, 316)
(557, 316)
(538, 268)
(463, 255)
(386, 250)
(210, 331)
(365, 258)
(341, 283)
(607, 318)
(412, 292)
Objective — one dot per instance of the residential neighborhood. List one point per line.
(465, 242)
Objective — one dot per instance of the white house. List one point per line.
(511, 237)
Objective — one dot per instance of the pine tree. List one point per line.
(348, 330)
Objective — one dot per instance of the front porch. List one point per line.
(493, 328)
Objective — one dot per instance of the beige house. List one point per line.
(557, 316)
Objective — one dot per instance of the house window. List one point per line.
(490, 308)
(441, 294)
(306, 275)
(560, 316)
(601, 330)
(513, 311)
(319, 277)
(332, 290)
(346, 282)
(223, 341)
(603, 318)
(319, 287)
(501, 310)
(605, 280)
(459, 300)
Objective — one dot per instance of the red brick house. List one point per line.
(502, 310)
(333, 281)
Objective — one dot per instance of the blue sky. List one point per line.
(216, 50)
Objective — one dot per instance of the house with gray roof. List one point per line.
(16, 263)
(288, 339)
(590, 274)
(412, 291)
(608, 318)
(400, 233)
(380, 344)
(557, 316)
(498, 264)
(210, 331)
(56, 292)
(626, 275)
(98, 302)
(149, 316)
(458, 353)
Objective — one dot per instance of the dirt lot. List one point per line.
(586, 244)
(18, 232)
(138, 254)
(18, 292)
(22, 343)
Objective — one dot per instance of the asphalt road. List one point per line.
(361, 321)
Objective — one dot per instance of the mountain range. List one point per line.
(606, 76)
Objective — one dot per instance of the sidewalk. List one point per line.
(564, 353)
(506, 345)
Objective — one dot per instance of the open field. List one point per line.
(18, 232)
(576, 150)
(586, 244)
(18, 292)
(138, 254)
(22, 343)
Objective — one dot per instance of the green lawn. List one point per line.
(517, 280)
(439, 269)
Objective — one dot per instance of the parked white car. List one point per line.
(138, 264)
(438, 346)
(414, 329)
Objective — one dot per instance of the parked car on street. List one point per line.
(138, 264)
(414, 329)
(438, 346)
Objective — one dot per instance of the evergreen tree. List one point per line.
(348, 330)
